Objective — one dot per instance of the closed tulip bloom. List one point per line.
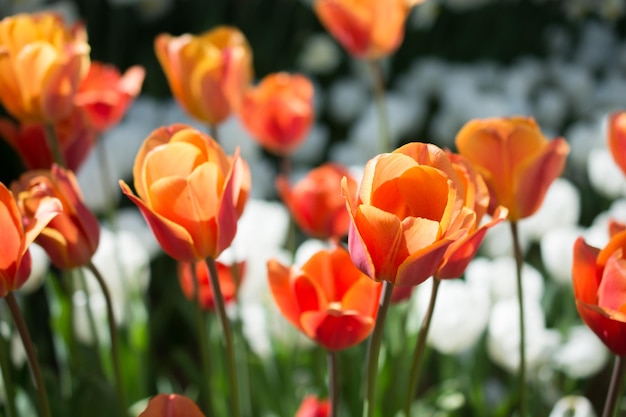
(279, 112)
(599, 280)
(313, 407)
(517, 162)
(410, 208)
(229, 277)
(104, 95)
(42, 62)
(369, 29)
(187, 192)
(315, 202)
(74, 133)
(171, 405)
(72, 237)
(207, 73)
(15, 260)
(617, 138)
(327, 299)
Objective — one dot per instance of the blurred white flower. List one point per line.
(460, 316)
(557, 252)
(583, 136)
(308, 248)
(581, 355)
(573, 406)
(598, 233)
(130, 220)
(499, 242)
(550, 108)
(346, 99)
(503, 335)
(499, 276)
(312, 150)
(604, 174)
(320, 55)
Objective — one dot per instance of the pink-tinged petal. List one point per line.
(460, 253)
(228, 214)
(173, 238)
(615, 227)
(171, 405)
(422, 264)
(336, 332)
(382, 236)
(612, 289)
(534, 179)
(586, 273)
(617, 138)
(280, 278)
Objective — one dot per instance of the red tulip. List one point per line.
(313, 407)
(72, 237)
(229, 276)
(599, 278)
(617, 138)
(327, 299)
(315, 202)
(171, 405)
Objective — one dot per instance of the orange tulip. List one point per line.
(72, 237)
(369, 29)
(76, 139)
(617, 138)
(327, 299)
(599, 278)
(207, 73)
(187, 192)
(105, 95)
(313, 407)
(171, 405)
(315, 202)
(279, 111)
(41, 65)
(15, 261)
(230, 278)
(410, 209)
(516, 160)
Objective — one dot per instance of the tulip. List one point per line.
(315, 202)
(230, 278)
(207, 73)
(617, 138)
(327, 299)
(171, 405)
(516, 160)
(598, 276)
(15, 260)
(187, 192)
(279, 112)
(369, 29)
(75, 136)
(410, 208)
(313, 407)
(72, 237)
(104, 95)
(42, 62)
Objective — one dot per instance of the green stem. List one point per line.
(333, 383)
(203, 339)
(378, 81)
(9, 390)
(228, 336)
(420, 347)
(374, 350)
(55, 146)
(16, 313)
(115, 355)
(519, 259)
(214, 132)
(610, 405)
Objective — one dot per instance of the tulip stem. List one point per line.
(115, 354)
(18, 319)
(374, 350)
(9, 390)
(378, 81)
(610, 405)
(213, 132)
(228, 335)
(420, 347)
(517, 250)
(333, 383)
(55, 146)
(202, 341)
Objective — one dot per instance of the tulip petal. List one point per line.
(586, 273)
(308, 295)
(336, 332)
(171, 405)
(611, 332)
(612, 289)
(617, 138)
(362, 297)
(279, 278)
(173, 238)
(13, 245)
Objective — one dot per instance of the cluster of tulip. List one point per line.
(417, 213)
